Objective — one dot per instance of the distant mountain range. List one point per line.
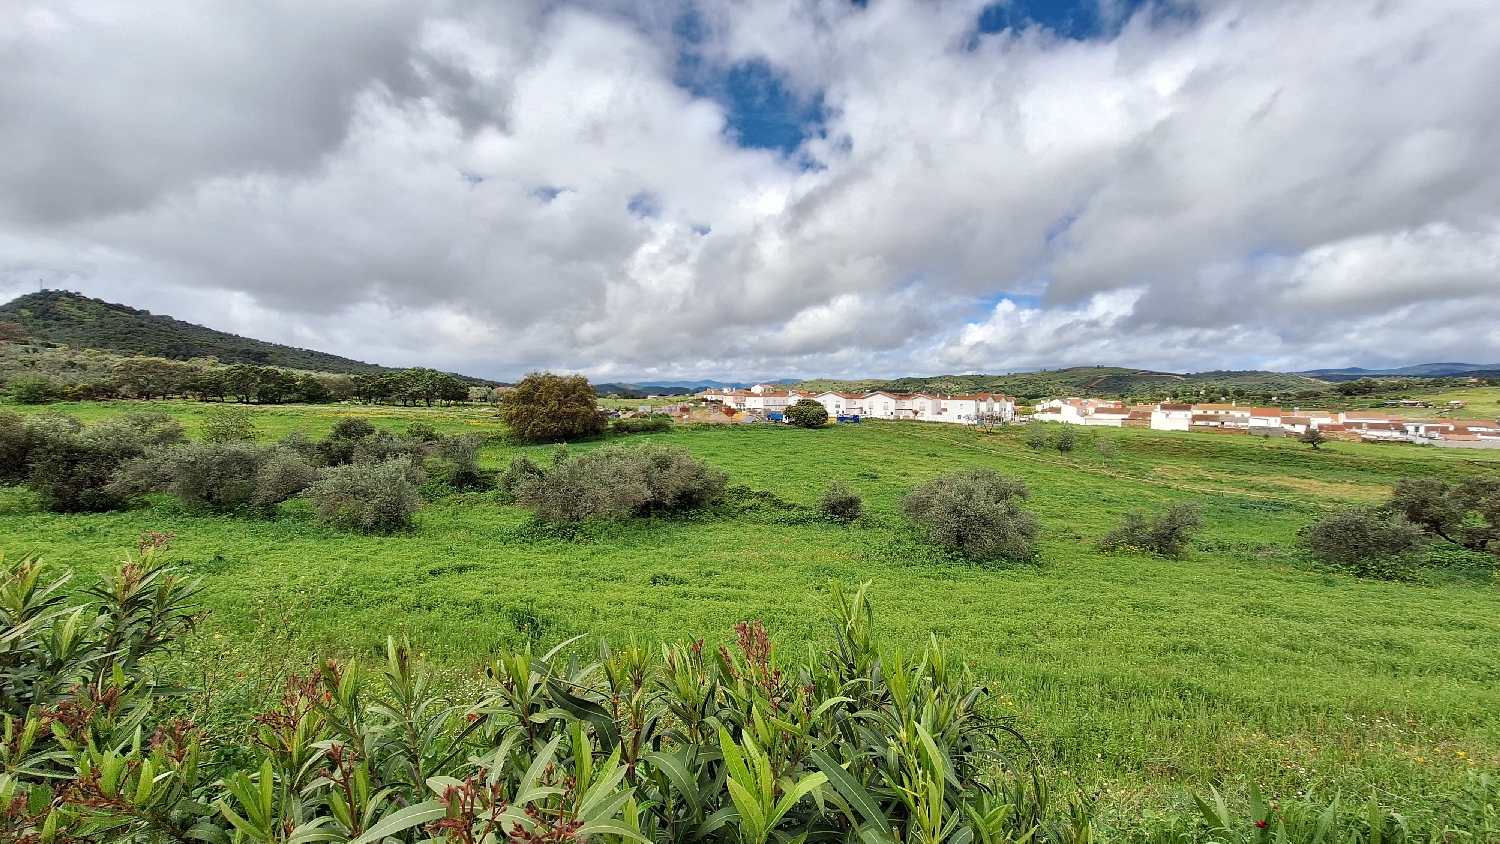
(66, 318)
(1421, 370)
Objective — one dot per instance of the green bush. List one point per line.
(839, 503)
(617, 482)
(70, 466)
(807, 413)
(976, 512)
(1168, 533)
(457, 460)
(33, 389)
(375, 497)
(1037, 437)
(220, 477)
(1107, 447)
(228, 424)
(520, 469)
(338, 448)
(1354, 536)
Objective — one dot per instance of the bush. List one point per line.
(839, 503)
(1355, 535)
(33, 389)
(617, 482)
(1037, 436)
(422, 432)
(807, 413)
(656, 423)
(337, 449)
(520, 469)
(1106, 447)
(220, 477)
(376, 497)
(70, 466)
(1168, 533)
(546, 407)
(459, 463)
(976, 512)
(1466, 514)
(226, 424)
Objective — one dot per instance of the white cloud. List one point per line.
(1274, 183)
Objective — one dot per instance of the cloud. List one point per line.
(499, 187)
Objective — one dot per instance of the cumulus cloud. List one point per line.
(499, 187)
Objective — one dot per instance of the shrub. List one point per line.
(338, 448)
(976, 512)
(376, 497)
(459, 463)
(422, 432)
(33, 389)
(70, 466)
(226, 424)
(15, 446)
(520, 469)
(1168, 533)
(840, 503)
(547, 407)
(807, 413)
(1037, 436)
(656, 423)
(220, 477)
(1107, 447)
(1356, 535)
(618, 482)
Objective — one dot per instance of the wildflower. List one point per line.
(1260, 824)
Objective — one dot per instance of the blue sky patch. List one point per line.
(643, 205)
(547, 194)
(762, 110)
(1076, 19)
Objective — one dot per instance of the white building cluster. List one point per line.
(1267, 421)
(766, 401)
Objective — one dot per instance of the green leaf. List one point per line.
(846, 785)
(421, 813)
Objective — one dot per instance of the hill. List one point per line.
(63, 317)
(1421, 370)
(1105, 381)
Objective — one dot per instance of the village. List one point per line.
(766, 403)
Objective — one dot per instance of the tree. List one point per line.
(312, 389)
(274, 386)
(149, 378)
(1313, 437)
(206, 383)
(807, 413)
(977, 512)
(1466, 514)
(242, 381)
(1066, 440)
(552, 407)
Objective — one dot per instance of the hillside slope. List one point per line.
(59, 316)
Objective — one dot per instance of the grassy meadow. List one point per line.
(1139, 677)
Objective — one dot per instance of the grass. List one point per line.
(1138, 676)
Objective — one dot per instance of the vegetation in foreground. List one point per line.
(1139, 677)
(679, 743)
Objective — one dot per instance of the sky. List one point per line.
(745, 189)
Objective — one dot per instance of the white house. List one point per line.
(839, 404)
(880, 405)
(1172, 417)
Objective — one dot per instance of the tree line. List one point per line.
(157, 378)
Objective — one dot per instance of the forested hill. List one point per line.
(58, 316)
(1110, 381)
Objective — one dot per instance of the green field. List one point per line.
(1139, 676)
